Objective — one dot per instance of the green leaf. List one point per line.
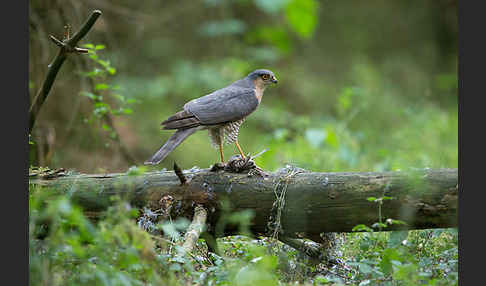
(362, 227)
(331, 137)
(104, 63)
(101, 105)
(134, 170)
(365, 268)
(405, 272)
(101, 108)
(389, 255)
(321, 279)
(102, 86)
(106, 127)
(396, 238)
(99, 47)
(88, 46)
(123, 279)
(93, 73)
(127, 111)
(395, 221)
(90, 95)
(378, 225)
(302, 16)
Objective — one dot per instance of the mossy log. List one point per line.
(312, 203)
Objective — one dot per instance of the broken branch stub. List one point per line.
(195, 229)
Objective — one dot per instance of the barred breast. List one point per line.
(227, 133)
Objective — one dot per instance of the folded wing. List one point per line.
(228, 104)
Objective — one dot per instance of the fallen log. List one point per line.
(297, 202)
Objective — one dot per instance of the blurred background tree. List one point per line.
(363, 86)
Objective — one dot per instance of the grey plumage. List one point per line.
(174, 141)
(228, 104)
(221, 112)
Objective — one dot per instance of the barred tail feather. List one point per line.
(174, 141)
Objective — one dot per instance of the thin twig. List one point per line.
(56, 41)
(261, 153)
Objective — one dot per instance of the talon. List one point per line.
(218, 166)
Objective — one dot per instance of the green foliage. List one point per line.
(391, 258)
(67, 248)
(394, 258)
(106, 98)
(302, 16)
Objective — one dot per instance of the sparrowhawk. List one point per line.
(220, 112)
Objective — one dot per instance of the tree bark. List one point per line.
(313, 202)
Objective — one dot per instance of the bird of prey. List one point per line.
(220, 112)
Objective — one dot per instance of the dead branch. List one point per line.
(66, 46)
(195, 228)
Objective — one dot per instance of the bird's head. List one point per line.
(263, 76)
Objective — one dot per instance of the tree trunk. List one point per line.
(298, 202)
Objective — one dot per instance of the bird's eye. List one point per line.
(265, 76)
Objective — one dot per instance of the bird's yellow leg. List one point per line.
(221, 152)
(239, 149)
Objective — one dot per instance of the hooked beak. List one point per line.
(274, 79)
